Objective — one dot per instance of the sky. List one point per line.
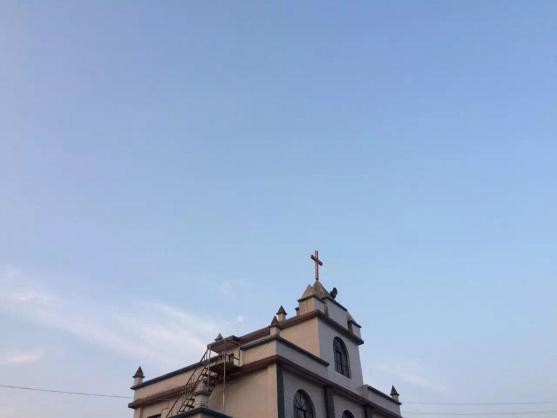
(167, 168)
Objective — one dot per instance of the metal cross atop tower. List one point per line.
(318, 262)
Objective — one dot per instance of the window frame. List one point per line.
(340, 356)
(302, 402)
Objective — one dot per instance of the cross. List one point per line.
(318, 262)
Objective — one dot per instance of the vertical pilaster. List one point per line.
(329, 402)
(280, 391)
(367, 411)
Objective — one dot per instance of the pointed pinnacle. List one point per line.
(281, 311)
(139, 373)
(394, 392)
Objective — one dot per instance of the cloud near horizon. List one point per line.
(20, 357)
(152, 333)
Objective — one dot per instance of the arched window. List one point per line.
(341, 357)
(347, 414)
(303, 408)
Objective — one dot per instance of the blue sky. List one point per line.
(166, 168)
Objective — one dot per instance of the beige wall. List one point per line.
(156, 388)
(259, 352)
(166, 384)
(250, 396)
(309, 305)
(305, 335)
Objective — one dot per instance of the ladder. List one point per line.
(202, 381)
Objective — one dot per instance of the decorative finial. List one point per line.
(274, 321)
(318, 262)
(219, 337)
(138, 376)
(394, 393)
(281, 314)
(334, 293)
(139, 373)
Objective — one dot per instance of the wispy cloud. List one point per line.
(406, 371)
(20, 358)
(152, 333)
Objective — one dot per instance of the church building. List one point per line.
(303, 366)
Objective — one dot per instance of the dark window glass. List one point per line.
(347, 414)
(341, 357)
(303, 408)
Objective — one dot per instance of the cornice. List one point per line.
(288, 343)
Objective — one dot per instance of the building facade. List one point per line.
(305, 366)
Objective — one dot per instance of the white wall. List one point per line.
(336, 313)
(342, 404)
(326, 336)
(292, 384)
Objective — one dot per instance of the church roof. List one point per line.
(308, 292)
(317, 290)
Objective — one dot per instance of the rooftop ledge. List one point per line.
(382, 394)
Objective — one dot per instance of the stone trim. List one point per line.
(166, 395)
(352, 321)
(164, 376)
(335, 302)
(310, 297)
(384, 395)
(288, 343)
